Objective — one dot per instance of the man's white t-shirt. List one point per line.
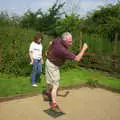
(36, 50)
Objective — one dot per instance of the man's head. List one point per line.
(67, 38)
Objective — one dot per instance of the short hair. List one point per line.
(38, 36)
(65, 34)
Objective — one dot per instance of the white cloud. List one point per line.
(41, 4)
(20, 6)
(90, 5)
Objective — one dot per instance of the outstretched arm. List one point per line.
(81, 53)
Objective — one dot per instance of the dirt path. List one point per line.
(80, 104)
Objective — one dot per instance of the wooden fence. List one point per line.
(110, 63)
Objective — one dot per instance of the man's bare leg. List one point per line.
(55, 107)
(54, 93)
(47, 95)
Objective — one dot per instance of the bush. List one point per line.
(14, 46)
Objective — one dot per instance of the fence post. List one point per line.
(115, 44)
(115, 49)
(0, 58)
(80, 40)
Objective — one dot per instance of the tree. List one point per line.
(29, 20)
(44, 22)
(71, 6)
(106, 20)
(69, 23)
(4, 18)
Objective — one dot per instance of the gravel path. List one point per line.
(80, 104)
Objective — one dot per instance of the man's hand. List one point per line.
(80, 54)
(85, 46)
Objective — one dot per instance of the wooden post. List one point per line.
(115, 44)
(0, 58)
(115, 49)
(80, 40)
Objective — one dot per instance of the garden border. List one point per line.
(21, 96)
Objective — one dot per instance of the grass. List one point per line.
(11, 85)
(78, 76)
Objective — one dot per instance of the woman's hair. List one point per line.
(37, 37)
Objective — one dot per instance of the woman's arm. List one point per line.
(31, 57)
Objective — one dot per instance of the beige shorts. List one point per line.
(52, 73)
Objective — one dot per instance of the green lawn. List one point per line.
(11, 85)
(78, 76)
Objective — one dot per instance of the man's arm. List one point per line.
(49, 47)
(81, 53)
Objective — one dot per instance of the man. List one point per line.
(57, 54)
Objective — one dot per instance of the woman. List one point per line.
(35, 53)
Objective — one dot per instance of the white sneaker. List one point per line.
(34, 85)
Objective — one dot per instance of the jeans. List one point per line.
(37, 69)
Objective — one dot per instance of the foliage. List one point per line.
(97, 30)
(93, 81)
(6, 20)
(14, 46)
(14, 49)
(44, 22)
(69, 23)
(106, 20)
(29, 20)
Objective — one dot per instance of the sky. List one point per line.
(19, 7)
